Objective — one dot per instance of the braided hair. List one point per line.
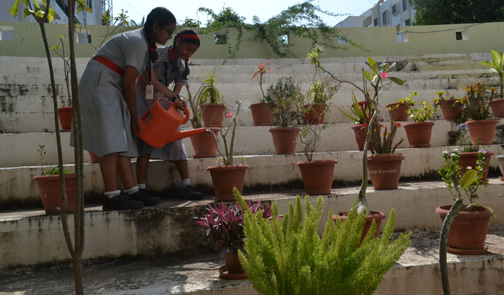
(162, 17)
(185, 36)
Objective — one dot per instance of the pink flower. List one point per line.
(398, 124)
(384, 75)
(229, 115)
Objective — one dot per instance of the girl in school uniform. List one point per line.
(171, 68)
(108, 106)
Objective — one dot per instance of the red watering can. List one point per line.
(161, 127)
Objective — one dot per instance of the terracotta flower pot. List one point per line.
(233, 269)
(360, 135)
(262, 114)
(497, 106)
(213, 114)
(400, 113)
(315, 113)
(385, 170)
(65, 115)
(204, 144)
(377, 216)
(451, 110)
(468, 230)
(501, 166)
(317, 176)
(50, 192)
(470, 159)
(225, 178)
(483, 129)
(419, 134)
(285, 140)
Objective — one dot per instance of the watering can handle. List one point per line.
(187, 115)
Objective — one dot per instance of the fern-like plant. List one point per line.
(287, 256)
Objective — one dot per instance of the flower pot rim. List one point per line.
(52, 176)
(386, 155)
(418, 123)
(283, 129)
(328, 161)
(475, 153)
(227, 167)
(500, 157)
(489, 120)
(478, 210)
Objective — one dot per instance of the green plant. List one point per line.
(383, 142)
(228, 145)
(452, 101)
(288, 257)
(310, 137)
(422, 114)
(259, 73)
(497, 66)
(286, 101)
(477, 101)
(408, 101)
(461, 187)
(322, 89)
(209, 93)
(224, 223)
(361, 112)
(55, 171)
(463, 139)
(196, 120)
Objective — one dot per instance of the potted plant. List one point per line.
(287, 100)
(291, 251)
(65, 113)
(497, 66)
(262, 114)
(477, 110)
(317, 175)
(204, 144)
(225, 177)
(210, 100)
(451, 107)
(224, 227)
(469, 152)
(360, 113)
(398, 110)
(419, 132)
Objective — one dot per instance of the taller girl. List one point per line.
(108, 105)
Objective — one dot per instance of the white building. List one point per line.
(383, 14)
(60, 8)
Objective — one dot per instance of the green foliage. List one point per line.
(423, 113)
(190, 23)
(439, 12)
(225, 146)
(55, 171)
(286, 100)
(497, 66)
(209, 93)
(477, 102)
(287, 256)
(33, 9)
(360, 111)
(310, 137)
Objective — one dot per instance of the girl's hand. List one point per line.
(159, 96)
(181, 105)
(135, 125)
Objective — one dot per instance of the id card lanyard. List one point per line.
(149, 89)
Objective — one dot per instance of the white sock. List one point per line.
(131, 190)
(186, 182)
(112, 194)
(141, 185)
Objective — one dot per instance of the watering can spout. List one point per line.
(160, 126)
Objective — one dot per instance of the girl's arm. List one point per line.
(129, 93)
(158, 86)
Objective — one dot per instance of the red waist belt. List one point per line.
(109, 64)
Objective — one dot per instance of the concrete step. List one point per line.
(31, 237)
(22, 149)
(416, 273)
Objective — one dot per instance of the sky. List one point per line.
(264, 9)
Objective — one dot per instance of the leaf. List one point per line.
(367, 75)
(372, 64)
(396, 80)
(15, 8)
(468, 178)
(497, 60)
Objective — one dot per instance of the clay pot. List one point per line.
(65, 115)
(451, 110)
(400, 113)
(317, 176)
(204, 144)
(377, 216)
(285, 140)
(233, 269)
(470, 159)
(497, 106)
(360, 135)
(50, 192)
(501, 166)
(225, 178)
(314, 113)
(483, 129)
(419, 134)
(385, 170)
(262, 114)
(213, 114)
(468, 230)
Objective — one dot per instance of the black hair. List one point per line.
(195, 41)
(162, 17)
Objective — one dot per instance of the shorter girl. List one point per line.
(171, 68)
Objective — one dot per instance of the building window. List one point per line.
(342, 39)
(375, 22)
(90, 4)
(83, 37)
(461, 35)
(385, 17)
(402, 38)
(404, 5)
(407, 22)
(394, 9)
(220, 39)
(6, 33)
(284, 39)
